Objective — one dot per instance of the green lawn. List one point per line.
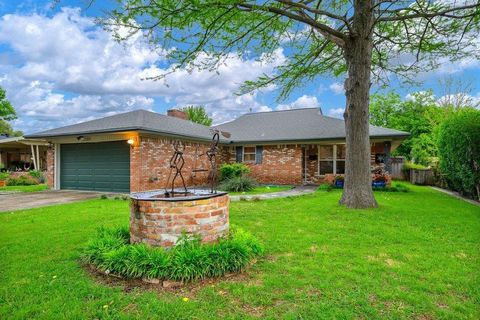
(262, 189)
(34, 188)
(415, 257)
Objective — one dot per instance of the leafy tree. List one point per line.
(356, 38)
(5, 127)
(198, 114)
(6, 109)
(459, 150)
(420, 115)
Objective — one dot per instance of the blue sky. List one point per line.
(59, 68)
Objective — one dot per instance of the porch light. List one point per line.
(131, 141)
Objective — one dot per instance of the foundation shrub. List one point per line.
(189, 260)
(238, 184)
(233, 170)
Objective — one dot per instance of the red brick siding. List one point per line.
(149, 164)
(50, 175)
(280, 165)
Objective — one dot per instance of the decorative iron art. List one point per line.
(212, 158)
(176, 163)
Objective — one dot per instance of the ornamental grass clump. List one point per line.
(189, 260)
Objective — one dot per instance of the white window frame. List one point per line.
(333, 159)
(254, 153)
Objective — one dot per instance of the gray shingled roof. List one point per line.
(135, 120)
(288, 125)
(293, 125)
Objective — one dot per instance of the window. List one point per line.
(249, 154)
(325, 157)
(331, 159)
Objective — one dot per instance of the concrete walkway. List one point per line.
(27, 200)
(456, 195)
(296, 191)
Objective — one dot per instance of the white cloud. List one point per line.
(337, 88)
(304, 101)
(65, 64)
(336, 112)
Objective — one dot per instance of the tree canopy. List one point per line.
(7, 112)
(356, 38)
(198, 114)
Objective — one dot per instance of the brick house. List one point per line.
(130, 152)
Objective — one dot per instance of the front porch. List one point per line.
(322, 162)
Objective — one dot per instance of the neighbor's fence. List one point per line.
(422, 176)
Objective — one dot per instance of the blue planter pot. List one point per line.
(339, 183)
(379, 184)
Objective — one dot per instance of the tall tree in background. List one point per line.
(198, 114)
(7, 112)
(359, 38)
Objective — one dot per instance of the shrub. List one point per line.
(233, 170)
(325, 187)
(4, 175)
(395, 187)
(238, 184)
(189, 260)
(459, 151)
(21, 181)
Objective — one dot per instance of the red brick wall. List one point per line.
(280, 165)
(149, 164)
(50, 167)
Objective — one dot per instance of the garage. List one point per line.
(101, 166)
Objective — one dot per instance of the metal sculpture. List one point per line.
(212, 158)
(176, 163)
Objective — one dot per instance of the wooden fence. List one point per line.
(396, 167)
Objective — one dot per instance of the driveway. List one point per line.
(27, 200)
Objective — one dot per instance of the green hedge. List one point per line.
(459, 151)
(188, 260)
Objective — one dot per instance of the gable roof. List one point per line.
(293, 125)
(275, 126)
(141, 120)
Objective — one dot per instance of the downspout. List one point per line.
(305, 166)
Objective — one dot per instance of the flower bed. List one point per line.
(110, 251)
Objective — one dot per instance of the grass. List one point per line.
(32, 188)
(416, 257)
(263, 189)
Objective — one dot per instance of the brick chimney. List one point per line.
(176, 113)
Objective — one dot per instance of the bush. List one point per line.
(37, 175)
(395, 187)
(238, 184)
(233, 170)
(459, 151)
(4, 176)
(21, 181)
(189, 260)
(325, 187)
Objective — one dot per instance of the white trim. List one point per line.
(243, 154)
(33, 157)
(56, 166)
(334, 159)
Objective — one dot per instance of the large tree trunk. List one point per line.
(357, 192)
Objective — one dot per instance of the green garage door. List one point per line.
(95, 166)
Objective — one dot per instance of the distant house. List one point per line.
(18, 153)
(281, 147)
